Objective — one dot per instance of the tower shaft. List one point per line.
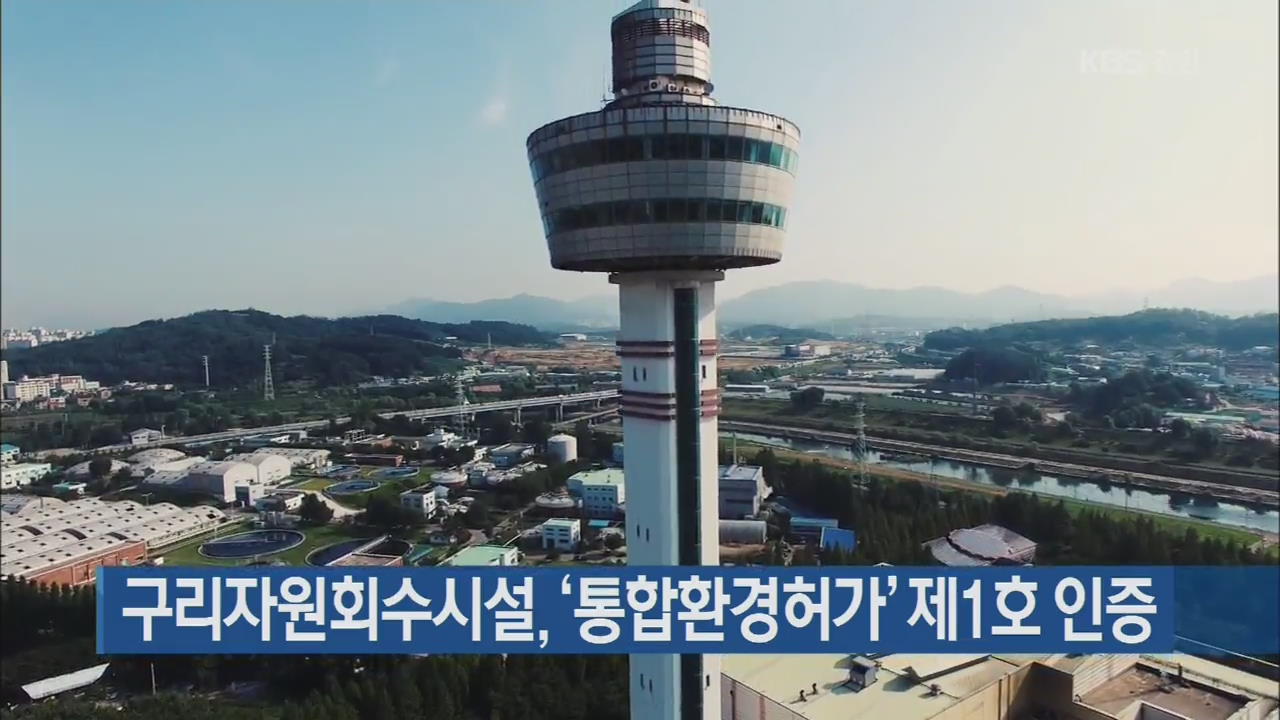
(669, 405)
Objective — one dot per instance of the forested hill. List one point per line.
(779, 333)
(326, 351)
(1148, 327)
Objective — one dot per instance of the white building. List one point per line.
(142, 436)
(9, 453)
(272, 468)
(16, 475)
(27, 389)
(561, 534)
(603, 493)
(218, 479)
(742, 487)
(420, 500)
(145, 462)
(307, 458)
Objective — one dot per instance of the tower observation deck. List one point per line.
(664, 189)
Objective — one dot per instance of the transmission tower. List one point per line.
(860, 448)
(268, 389)
(461, 418)
(204, 359)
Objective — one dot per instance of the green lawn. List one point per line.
(189, 554)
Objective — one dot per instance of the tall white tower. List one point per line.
(665, 190)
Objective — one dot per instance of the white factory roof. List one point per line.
(900, 691)
(25, 504)
(221, 468)
(155, 456)
(53, 536)
(601, 476)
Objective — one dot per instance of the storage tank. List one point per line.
(742, 532)
(562, 448)
(449, 479)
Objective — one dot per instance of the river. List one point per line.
(1154, 501)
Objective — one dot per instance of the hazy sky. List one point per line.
(333, 157)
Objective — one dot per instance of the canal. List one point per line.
(1133, 498)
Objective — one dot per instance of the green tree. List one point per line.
(99, 467)
(315, 511)
(808, 398)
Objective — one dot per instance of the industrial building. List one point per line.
(665, 189)
(742, 487)
(217, 479)
(8, 453)
(485, 556)
(421, 500)
(511, 454)
(16, 475)
(990, 687)
(50, 541)
(561, 534)
(272, 469)
(981, 546)
(806, 350)
(305, 458)
(603, 492)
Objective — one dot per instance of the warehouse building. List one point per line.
(217, 479)
(64, 542)
(304, 458)
(272, 468)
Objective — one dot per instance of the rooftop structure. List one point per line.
(485, 556)
(982, 545)
(665, 189)
(272, 468)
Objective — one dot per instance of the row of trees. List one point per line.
(894, 519)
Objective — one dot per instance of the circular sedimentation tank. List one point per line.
(254, 543)
(351, 487)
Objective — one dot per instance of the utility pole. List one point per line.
(205, 360)
(268, 389)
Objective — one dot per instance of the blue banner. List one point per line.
(149, 610)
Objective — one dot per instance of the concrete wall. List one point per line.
(739, 702)
(997, 701)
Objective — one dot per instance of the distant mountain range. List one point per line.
(840, 306)
(597, 312)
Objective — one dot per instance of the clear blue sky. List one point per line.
(336, 157)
